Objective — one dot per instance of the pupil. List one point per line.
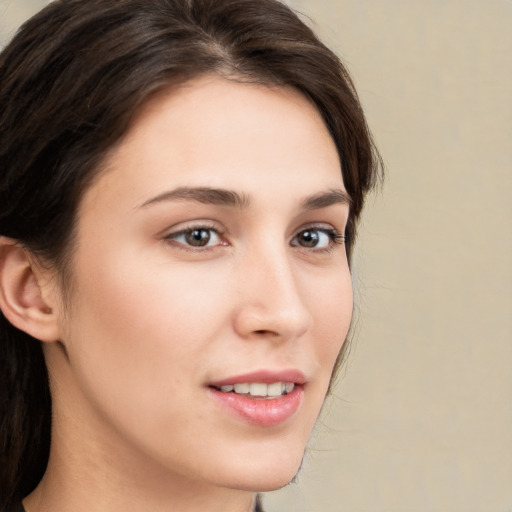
(198, 237)
(309, 238)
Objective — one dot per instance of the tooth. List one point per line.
(258, 389)
(275, 389)
(242, 388)
(227, 388)
(289, 386)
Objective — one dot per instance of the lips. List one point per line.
(263, 398)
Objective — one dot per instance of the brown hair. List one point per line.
(71, 81)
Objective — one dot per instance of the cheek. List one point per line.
(332, 312)
(138, 344)
(138, 326)
(143, 309)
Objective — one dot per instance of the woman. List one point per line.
(180, 185)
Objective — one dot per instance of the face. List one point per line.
(211, 292)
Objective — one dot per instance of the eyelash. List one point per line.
(336, 238)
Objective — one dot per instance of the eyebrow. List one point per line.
(232, 199)
(325, 199)
(206, 195)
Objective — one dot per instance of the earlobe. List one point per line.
(21, 296)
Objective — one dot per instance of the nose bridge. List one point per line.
(272, 301)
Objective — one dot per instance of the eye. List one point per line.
(196, 237)
(318, 238)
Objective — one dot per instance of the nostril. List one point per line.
(265, 332)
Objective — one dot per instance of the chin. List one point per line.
(269, 475)
(264, 482)
(273, 482)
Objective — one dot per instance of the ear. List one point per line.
(23, 301)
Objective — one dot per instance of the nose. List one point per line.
(271, 303)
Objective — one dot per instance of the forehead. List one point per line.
(214, 132)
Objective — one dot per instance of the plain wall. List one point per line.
(421, 418)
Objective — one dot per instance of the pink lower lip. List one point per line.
(262, 411)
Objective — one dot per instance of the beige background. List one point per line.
(421, 420)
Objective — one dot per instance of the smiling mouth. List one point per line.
(258, 389)
(259, 403)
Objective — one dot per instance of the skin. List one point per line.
(151, 321)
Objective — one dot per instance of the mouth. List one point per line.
(258, 389)
(262, 398)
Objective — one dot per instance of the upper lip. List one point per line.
(263, 376)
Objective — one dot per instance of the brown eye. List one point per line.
(198, 237)
(317, 238)
(308, 238)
